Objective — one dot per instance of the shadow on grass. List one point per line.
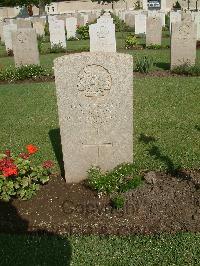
(163, 65)
(197, 127)
(18, 246)
(55, 139)
(155, 152)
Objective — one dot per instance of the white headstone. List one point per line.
(174, 17)
(95, 106)
(7, 36)
(57, 33)
(102, 36)
(140, 24)
(71, 26)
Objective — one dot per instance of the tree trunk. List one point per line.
(41, 8)
(30, 10)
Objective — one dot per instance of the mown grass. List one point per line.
(165, 109)
(177, 250)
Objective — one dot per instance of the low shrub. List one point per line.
(144, 64)
(10, 52)
(120, 25)
(118, 202)
(19, 177)
(117, 180)
(46, 29)
(131, 42)
(57, 48)
(12, 74)
(83, 32)
(73, 39)
(187, 69)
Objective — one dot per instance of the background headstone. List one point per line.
(7, 36)
(96, 125)
(71, 26)
(25, 47)
(23, 24)
(102, 36)
(57, 33)
(140, 23)
(154, 31)
(183, 43)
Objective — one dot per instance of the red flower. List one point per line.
(24, 155)
(6, 162)
(31, 149)
(9, 171)
(7, 153)
(48, 164)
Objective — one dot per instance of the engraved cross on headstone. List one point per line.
(98, 145)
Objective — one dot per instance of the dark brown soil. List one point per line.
(162, 204)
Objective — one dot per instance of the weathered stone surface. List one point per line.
(154, 31)
(140, 24)
(130, 19)
(197, 21)
(39, 27)
(23, 24)
(102, 36)
(25, 47)
(7, 35)
(183, 43)
(95, 105)
(71, 26)
(57, 32)
(174, 17)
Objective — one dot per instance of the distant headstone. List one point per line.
(7, 36)
(197, 21)
(96, 125)
(154, 31)
(183, 43)
(140, 24)
(25, 47)
(102, 36)
(57, 33)
(186, 17)
(71, 26)
(23, 24)
(174, 17)
(39, 26)
(130, 19)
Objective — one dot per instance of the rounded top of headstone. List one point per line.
(106, 56)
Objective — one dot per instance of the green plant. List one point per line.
(46, 29)
(57, 48)
(137, 5)
(73, 39)
(131, 42)
(12, 74)
(120, 25)
(144, 64)
(118, 202)
(83, 32)
(177, 5)
(113, 181)
(154, 46)
(187, 69)
(19, 177)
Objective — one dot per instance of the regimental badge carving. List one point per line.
(21, 38)
(94, 81)
(103, 32)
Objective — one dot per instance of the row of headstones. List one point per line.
(141, 20)
(102, 39)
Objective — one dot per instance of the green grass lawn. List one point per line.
(166, 109)
(165, 250)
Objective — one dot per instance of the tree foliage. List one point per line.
(12, 3)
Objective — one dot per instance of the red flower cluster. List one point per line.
(31, 149)
(8, 167)
(48, 164)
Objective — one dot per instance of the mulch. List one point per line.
(163, 204)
